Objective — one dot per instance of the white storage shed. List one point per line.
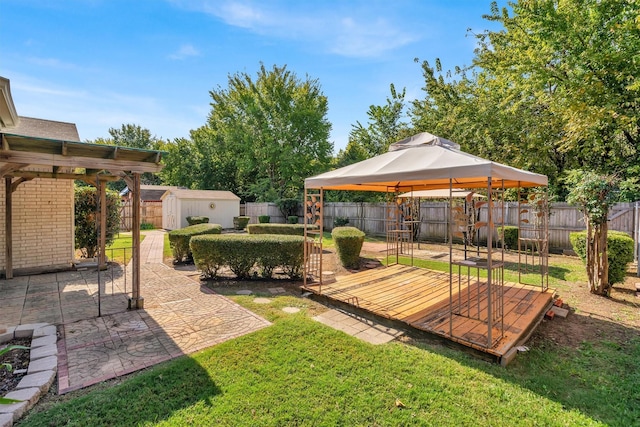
(219, 206)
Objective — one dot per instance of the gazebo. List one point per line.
(478, 304)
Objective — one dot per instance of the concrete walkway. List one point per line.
(179, 317)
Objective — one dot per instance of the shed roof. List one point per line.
(181, 193)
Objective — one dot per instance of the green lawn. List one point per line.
(300, 372)
(122, 247)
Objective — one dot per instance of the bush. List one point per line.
(194, 220)
(340, 221)
(348, 241)
(509, 236)
(147, 226)
(248, 255)
(288, 229)
(264, 219)
(179, 239)
(292, 219)
(240, 222)
(619, 252)
(85, 219)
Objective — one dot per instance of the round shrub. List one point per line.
(292, 219)
(340, 221)
(240, 222)
(264, 219)
(619, 252)
(348, 241)
(194, 220)
(179, 239)
(509, 236)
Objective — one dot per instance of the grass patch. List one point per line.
(166, 248)
(299, 372)
(561, 270)
(121, 249)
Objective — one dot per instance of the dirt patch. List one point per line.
(17, 359)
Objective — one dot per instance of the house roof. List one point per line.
(8, 114)
(424, 163)
(201, 194)
(40, 128)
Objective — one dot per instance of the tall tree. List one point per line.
(275, 128)
(556, 89)
(133, 136)
(385, 125)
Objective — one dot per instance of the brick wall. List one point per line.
(42, 223)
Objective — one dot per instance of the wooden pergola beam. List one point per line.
(35, 158)
(58, 175)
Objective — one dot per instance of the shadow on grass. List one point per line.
(147, 398)
(584, 363)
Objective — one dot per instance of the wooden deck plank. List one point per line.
(420, 298)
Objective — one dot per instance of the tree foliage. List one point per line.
(132, 136)
(86, 219)
(555, 89)
(272, 131)
(595, 194)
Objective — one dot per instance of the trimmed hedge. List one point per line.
(179, 239)
(287, 229)
(348, 241)
(248, 255)
(509, 236)
(194, 220)
(619, 252)
(292, 219)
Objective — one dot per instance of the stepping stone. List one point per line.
(291, 310)
(262, 300)
(276, 291)
(244, 292)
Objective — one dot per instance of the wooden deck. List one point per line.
(420, 299)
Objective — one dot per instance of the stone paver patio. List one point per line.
(179, 317)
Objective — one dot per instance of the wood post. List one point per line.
(102, 224)
(8, 227)
(136, 300)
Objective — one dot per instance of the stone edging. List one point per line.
(43, 365)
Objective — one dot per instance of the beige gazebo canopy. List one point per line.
(424, 162)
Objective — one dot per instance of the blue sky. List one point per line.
(103, 63)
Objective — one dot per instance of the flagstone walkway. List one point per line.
(179, 317)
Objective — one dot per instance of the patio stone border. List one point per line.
(43, 366)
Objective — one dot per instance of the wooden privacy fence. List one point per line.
(370, 218)
(150, 213)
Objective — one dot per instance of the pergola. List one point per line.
(23, 157)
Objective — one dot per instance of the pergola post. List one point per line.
(136, 301)
(8, 227)
(102, 224)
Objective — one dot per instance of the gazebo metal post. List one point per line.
(450, 238)
(489, 263)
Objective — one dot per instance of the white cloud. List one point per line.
(185, 51)
(53, 63)
(357, 31)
